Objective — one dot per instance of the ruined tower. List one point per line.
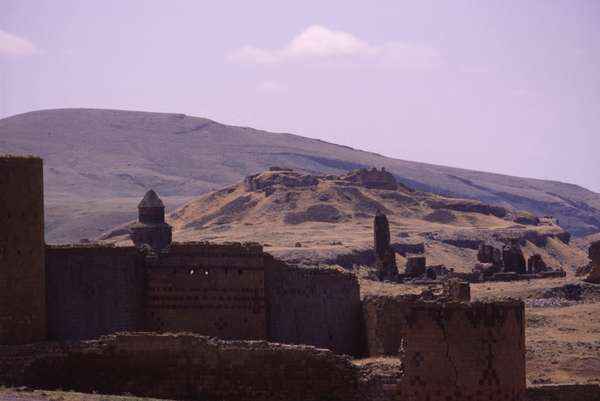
(22, 267)
(151, 230)
(385, 257)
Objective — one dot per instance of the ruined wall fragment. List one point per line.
(182, 366)
(456, 350)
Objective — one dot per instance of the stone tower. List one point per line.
(22, 250)
(385, 256)
(151, 230)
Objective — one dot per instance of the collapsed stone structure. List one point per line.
(513, 259)
(490, 254)
(450, 351)
(449, 348)
(372, 178)
(507, 262)
(416, 266)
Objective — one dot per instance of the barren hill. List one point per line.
(98, 163)
(310, 219)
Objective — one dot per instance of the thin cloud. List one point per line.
(11, 44)
(317, 42)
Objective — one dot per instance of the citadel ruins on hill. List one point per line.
(228, 321)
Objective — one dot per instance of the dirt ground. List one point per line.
(562, 335)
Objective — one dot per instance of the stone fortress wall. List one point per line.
(198, 367)
(450, 350)
(216, 290)
(94, 290)
(320, 307)
(182, 366)
(230, 291)
(22, 268)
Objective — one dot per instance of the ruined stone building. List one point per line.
(372, 178)
(51, 297)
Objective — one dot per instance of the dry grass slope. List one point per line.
(99, 162)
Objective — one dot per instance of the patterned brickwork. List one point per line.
(216, 290)
(451, 351)
(22, 271)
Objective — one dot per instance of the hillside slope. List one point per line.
(309, 219)
(98, 163)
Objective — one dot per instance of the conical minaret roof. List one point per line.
(151, 199)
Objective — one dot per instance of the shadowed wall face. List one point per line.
(22, 270)
(94, 290)
(320, 307)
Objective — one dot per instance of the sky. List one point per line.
(509, 86)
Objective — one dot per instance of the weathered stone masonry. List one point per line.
(216, 290)
(182, 366)
(451, 351)
(320, 307)
(230, 291)
(94, 290)
(22, 268)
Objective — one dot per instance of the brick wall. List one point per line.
(451, 351)
(215, 290)
(182, 366)
(22, 272)
(319, 307)
(94, 290)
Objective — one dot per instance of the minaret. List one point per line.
(151, 230)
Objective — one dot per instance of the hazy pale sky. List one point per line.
(504, 86)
